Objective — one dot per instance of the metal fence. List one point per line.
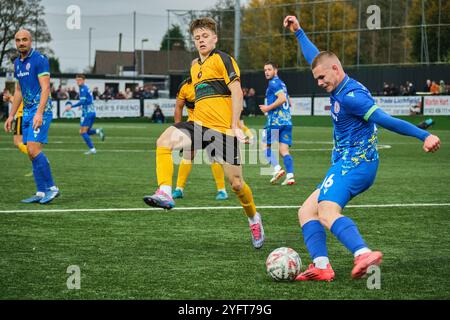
(366, 32)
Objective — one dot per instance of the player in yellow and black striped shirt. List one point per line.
(18, 140)
(186, 97)
(218, 105)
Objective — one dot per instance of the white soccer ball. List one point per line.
(283, 264)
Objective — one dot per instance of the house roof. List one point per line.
(155, 62)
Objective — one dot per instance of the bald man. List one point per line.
(354, 161)
(32, 73)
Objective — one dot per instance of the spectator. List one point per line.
(95, 93)
(252, 104)
(62, 94)
(155, 92)
(442, 88)
(434, 88)
(403, 90)
(427, 86)
(410, 89)
(4, 105)
(158, 116)
(137, 93)
(386, 89)
(120, 95)
(106, 95)
(53, 93)
(128, 93)
(393, 90)
(73, 94)
(146, 93)
(245, 111)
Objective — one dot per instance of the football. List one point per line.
(283, 264)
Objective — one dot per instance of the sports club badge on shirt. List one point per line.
(337, 107)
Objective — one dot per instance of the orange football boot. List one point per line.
(364, 261)
(313, 273)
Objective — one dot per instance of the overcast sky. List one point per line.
(108, 18)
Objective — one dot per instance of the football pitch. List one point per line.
(202, 248)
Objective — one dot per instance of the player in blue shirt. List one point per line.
(31, 69)
(278, 126)
(354, 161)
(88, 114)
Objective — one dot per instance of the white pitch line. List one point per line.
(153, 150)
(394, 205)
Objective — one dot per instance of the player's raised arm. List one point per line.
(309, 50)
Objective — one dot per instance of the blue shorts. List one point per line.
(39, 135)
(282, 134)
(342, 188)
(87, 120)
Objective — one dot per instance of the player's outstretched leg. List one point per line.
(278, 172)
(164, 171)
(315, 239)
(171, 139)
(244, 193)
(346, 231)
(99, 131)
(160, 199)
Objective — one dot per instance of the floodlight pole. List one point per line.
(237, 28)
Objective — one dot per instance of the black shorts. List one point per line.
(18, 126)
(219, 146)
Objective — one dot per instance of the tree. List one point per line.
(434, 35)
(173, 39)
(17, 14)
(264, 37)
(54, 65)
(223, 14)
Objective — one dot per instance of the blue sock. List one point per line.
(288, 163)
(88, 141)
(91, 132)
(38, 178)
(315, 239)
(347, 232)
(43, 166)
(271, 157)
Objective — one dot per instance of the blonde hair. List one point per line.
(321, 56)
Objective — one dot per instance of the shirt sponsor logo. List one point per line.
(23, 74)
